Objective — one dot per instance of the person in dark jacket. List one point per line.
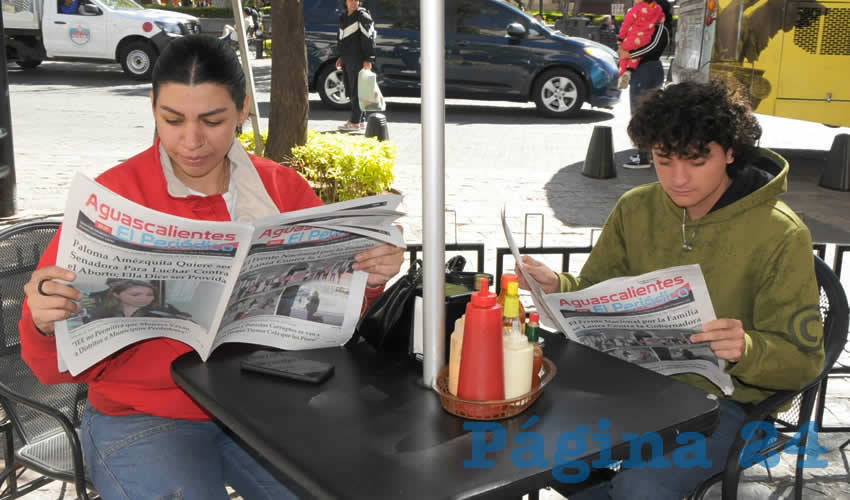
(649, 75)
(356, 49)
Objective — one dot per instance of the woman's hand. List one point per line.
(367, 65)
(382, 263)
(548, 279)
(727, 337)
(50, 301)
(338, 63)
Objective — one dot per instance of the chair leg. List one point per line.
(821, 403)
(801, 456)
(10, 474)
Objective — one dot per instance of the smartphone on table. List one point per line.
(285, 364)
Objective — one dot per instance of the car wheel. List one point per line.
(138, 59)
(28, 63)
(332, 89)
(559, 93)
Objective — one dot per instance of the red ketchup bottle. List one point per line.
(481, 367)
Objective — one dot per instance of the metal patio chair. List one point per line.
(44, 418)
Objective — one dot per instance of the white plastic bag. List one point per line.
(368, 91)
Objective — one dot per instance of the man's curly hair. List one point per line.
(683, 119)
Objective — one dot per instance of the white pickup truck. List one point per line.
(91, 30)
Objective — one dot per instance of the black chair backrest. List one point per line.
(834, 313)
(834, 316)
(21, 247)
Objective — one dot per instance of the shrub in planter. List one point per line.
(340, 166)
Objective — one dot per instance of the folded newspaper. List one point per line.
(283, 281)
(646, 319)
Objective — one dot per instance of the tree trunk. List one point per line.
(289, 107)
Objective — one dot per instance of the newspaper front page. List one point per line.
(284, 281)
(646, 319)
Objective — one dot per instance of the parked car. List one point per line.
(91, 30)
(493, 52)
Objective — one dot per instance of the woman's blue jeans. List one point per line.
(676, 482)
(647, 77)
(147, 457)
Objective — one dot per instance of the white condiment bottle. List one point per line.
(519, 360)
(455, 349)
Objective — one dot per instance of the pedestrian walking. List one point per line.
(649, 74)
(356, 49)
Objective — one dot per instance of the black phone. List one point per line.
(285, 364)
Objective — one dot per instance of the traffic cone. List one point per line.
(599, 162)
(836, 173)
(376, 126)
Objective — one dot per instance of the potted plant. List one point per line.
(340, 166)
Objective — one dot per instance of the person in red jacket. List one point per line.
(142, 436)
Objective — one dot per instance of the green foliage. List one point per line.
(340, 166)
(247, 140)
(266, 11)
(204, 12)
(549, 16)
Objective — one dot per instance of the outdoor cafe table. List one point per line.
(371, 431)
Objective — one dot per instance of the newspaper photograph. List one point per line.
(646, 319)
(275, 282)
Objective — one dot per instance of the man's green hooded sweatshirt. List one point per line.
(756, 255)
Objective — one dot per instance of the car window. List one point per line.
(67, 7)
(395, 14)
(322, 11)
(481, 18)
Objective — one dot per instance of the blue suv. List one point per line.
(493, 52)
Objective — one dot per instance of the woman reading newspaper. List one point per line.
(715, 204)
(143, 437)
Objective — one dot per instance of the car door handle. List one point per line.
(59, 22)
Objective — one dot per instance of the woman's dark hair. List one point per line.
(197, 59)
(683, 119)
(119, 285)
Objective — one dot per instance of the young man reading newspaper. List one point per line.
(715, 205)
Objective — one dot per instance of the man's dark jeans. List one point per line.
(648, 76)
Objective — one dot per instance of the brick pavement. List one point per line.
(70, 118)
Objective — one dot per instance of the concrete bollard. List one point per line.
(376, 126)
(836, 172)
(599, 162)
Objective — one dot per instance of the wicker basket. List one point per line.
(490, 410)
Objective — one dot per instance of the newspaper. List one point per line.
(284, 281)
(646, 319)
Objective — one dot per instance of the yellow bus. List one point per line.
(792, 56)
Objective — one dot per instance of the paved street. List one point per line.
(70, 118)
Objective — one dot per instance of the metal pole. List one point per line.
(433, 188)
(249, 75)
(7, 153)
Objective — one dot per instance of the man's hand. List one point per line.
(338, 63)
(51, 301)
(548, 279)
(382, 263)
(727, 337)
(367, 65)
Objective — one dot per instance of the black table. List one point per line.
(371, 431)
